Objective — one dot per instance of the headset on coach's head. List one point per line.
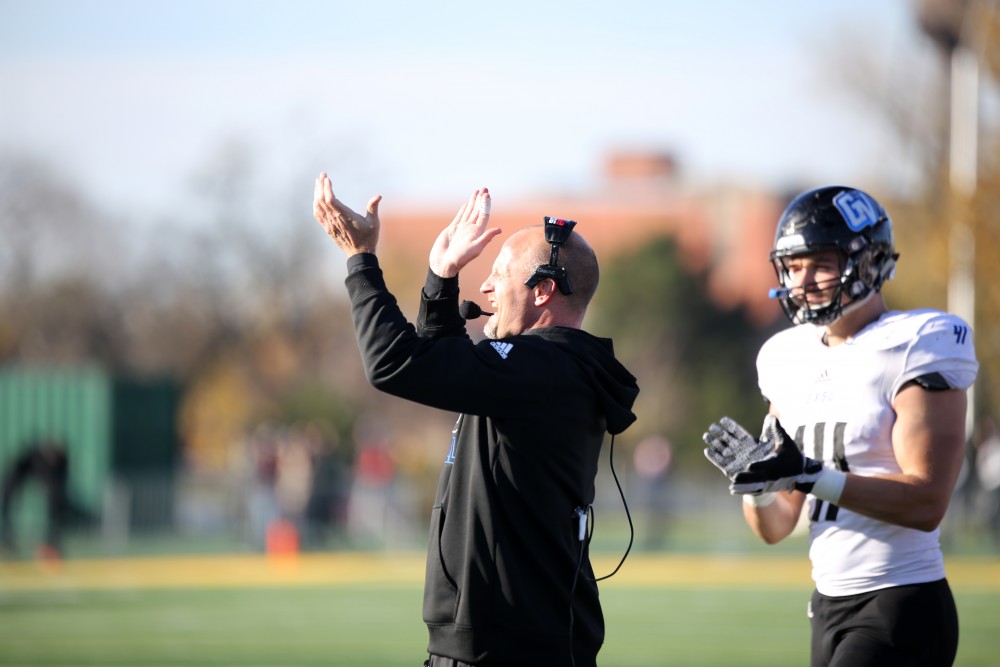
(557, 231)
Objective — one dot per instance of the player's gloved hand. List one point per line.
(731, 448)
(783, 469)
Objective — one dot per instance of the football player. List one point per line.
(865, 433)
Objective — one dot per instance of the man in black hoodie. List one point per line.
(509, 580)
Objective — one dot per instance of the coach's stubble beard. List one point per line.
(490, 328)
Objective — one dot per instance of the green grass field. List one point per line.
(364, 609)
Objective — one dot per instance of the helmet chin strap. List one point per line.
(854, 305)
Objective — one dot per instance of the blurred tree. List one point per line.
(231, 300)
(694, 361)
(49, 231)
(984, 22)
(256, 276)
(964, 32)
(51, 293)
(912, 94)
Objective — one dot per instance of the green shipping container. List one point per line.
(112, 429)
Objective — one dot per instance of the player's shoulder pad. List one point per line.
(939, 343)
(906, 328)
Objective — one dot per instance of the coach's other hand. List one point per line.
(353, 233)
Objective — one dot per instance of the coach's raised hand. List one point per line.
(465, 238)
(352, 232)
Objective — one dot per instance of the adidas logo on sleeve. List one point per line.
(503, 349)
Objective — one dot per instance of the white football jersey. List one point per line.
(837, 403)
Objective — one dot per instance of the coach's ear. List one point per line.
(544, 291)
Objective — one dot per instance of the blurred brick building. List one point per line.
(725, 230)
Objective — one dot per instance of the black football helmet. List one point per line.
(834, 218)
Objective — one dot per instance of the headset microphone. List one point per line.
(470, 310)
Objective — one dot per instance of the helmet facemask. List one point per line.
(863, 269)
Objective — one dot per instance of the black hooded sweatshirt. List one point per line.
(503, 555)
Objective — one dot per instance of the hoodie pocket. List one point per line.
(440, 590)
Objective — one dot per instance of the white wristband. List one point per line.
(830, 485)
(762, 500)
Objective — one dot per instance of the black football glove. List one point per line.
(731, 448)
(783, 469)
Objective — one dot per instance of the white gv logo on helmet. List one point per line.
(858, 209)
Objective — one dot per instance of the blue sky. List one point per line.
(130, 100)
